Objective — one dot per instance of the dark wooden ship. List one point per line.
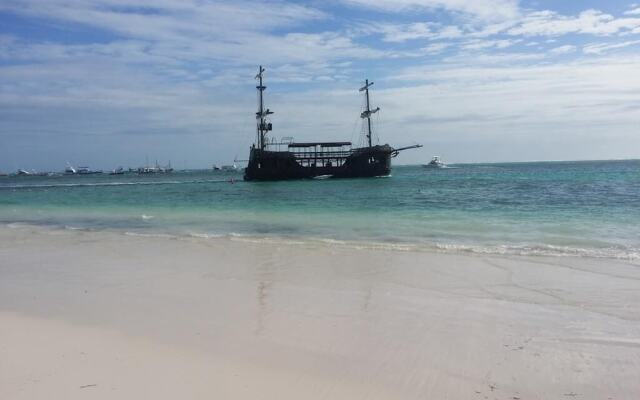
(286, 159)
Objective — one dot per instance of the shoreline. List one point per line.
(166, 318)
(630, 256)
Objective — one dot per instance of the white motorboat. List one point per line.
(435, 163)
(87, 171)
(233, 167)
(70, 170)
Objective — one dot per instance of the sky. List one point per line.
(106, 83)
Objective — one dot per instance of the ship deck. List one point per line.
(309, 154)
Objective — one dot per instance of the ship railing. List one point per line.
(320, 155)
(277, 146)
(312, 157)
(310, 151)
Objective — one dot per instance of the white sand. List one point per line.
(103, 315)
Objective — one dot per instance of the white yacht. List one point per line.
(117, 171)
(229, 167)
(70, 170)
(435, 163)
(87, 171)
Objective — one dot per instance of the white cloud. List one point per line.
(174, 32)
(599, 48)
(534, 23)
(449, 32)
(488, 44)
(401, 33)
(397, 33)
(167, 18)
(594, 22)
(521, 106)
(634, 11)
(435, 48)
(497, 58)
(566, 49)
(487, 10)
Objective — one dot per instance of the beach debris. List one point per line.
(86, 386)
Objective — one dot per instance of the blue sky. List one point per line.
(111, 82)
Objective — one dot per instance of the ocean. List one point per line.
(586, 208)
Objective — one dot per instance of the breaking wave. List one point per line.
(617, 253)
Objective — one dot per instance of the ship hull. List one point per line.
(283, 165)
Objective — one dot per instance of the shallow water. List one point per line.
(560, 208)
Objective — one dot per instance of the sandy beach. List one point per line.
(100, 315)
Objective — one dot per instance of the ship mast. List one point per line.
(262, 125)
(367, 113)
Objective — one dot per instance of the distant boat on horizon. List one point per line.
(435, 163)
(24, 172)
(87, 171)
(232, 167)
(117, 171)
(157, 169)
(70, 170)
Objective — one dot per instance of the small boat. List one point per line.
(156, 170)
(70, 170)
(33, 172)
(215, 167)
(87, 171)
(229, 167)
(166, 169)
(117, 171)
(435, 163)
(148, 170)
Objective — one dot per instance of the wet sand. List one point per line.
(98, 315)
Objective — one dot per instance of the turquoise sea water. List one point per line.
(561, 208)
